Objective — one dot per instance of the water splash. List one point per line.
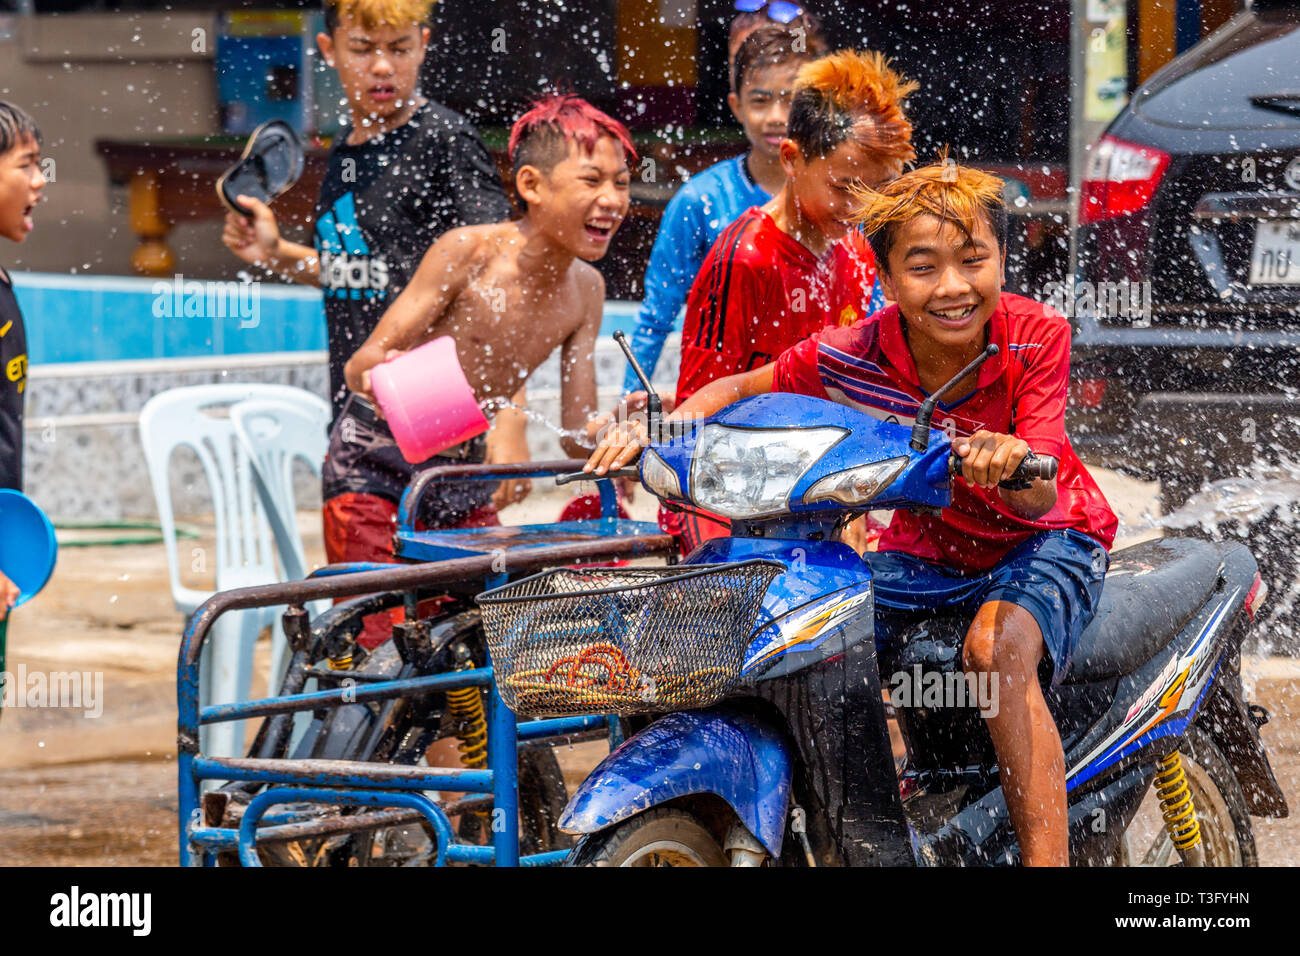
(1261, 511)
(490, 407)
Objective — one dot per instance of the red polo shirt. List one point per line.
(1021, 391)
(760, 291)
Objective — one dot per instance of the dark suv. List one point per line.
(1186, 363)
(1186, 302)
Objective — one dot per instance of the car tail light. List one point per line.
(1120, 179)
(1258, 591)
(1088, 392)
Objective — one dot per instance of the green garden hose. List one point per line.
(147, 533)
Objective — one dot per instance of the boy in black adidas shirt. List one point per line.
(21, 183)
(404, 172)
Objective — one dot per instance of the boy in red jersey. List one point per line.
(778, 273)
(1026, 564)
(783, 270)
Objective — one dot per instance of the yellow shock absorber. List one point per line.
(466, 705)
(340, 663)
(1176, 804)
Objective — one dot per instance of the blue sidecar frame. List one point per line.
(393, 791)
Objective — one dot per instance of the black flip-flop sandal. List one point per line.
(271, 163)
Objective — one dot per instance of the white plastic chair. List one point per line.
(276, 432)
(198, 417)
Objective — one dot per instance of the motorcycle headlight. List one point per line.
(858, 485)
(658, 477)
(751, 472)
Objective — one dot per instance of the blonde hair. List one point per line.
(960, 195)
(851, 95)
(374, 13)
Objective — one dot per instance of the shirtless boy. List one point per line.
(510, 293)
(403, 172)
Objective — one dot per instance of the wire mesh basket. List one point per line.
(622, 640)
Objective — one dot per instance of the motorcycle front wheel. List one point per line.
(1226, 833)
(663, 836)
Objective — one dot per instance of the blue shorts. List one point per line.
(1055, 575)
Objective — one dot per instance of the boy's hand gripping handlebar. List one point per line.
(1033, 467)
(654, 414)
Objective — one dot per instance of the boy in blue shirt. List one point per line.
(762, 87)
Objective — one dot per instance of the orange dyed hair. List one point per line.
(541, 136)
(850, 95)
(960, 195)
(374, 13)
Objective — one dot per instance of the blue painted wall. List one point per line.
(111, 318)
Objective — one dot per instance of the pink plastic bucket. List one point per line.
(427, 401)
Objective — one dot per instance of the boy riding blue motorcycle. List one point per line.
(1022, 559)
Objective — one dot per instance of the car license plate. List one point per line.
(1275, 260)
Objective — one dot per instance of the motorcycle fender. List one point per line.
(733, 755)
(1228, 721)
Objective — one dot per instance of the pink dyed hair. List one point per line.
(565, 116)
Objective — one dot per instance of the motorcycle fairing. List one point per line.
(807, 628)
(831, 709)
(720, 751)
(825, 584)
(923, 482)
(981, 833)
(1170, 700)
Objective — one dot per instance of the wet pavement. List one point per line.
(101, 790)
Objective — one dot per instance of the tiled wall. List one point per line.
(83, 458)
(101, 346)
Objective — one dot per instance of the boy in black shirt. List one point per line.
(404, 172)
(21, 183)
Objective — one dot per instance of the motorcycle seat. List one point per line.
(1151, 591)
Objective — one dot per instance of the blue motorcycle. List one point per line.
(748, 682)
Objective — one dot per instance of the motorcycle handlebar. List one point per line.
(1042, 467)
(631, 471)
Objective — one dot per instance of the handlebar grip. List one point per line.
(631, 471)
(1042, 467)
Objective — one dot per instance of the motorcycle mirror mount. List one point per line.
(921, 429)
(654, 406)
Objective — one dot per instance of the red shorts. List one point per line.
(692, 528)
(360, 527)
